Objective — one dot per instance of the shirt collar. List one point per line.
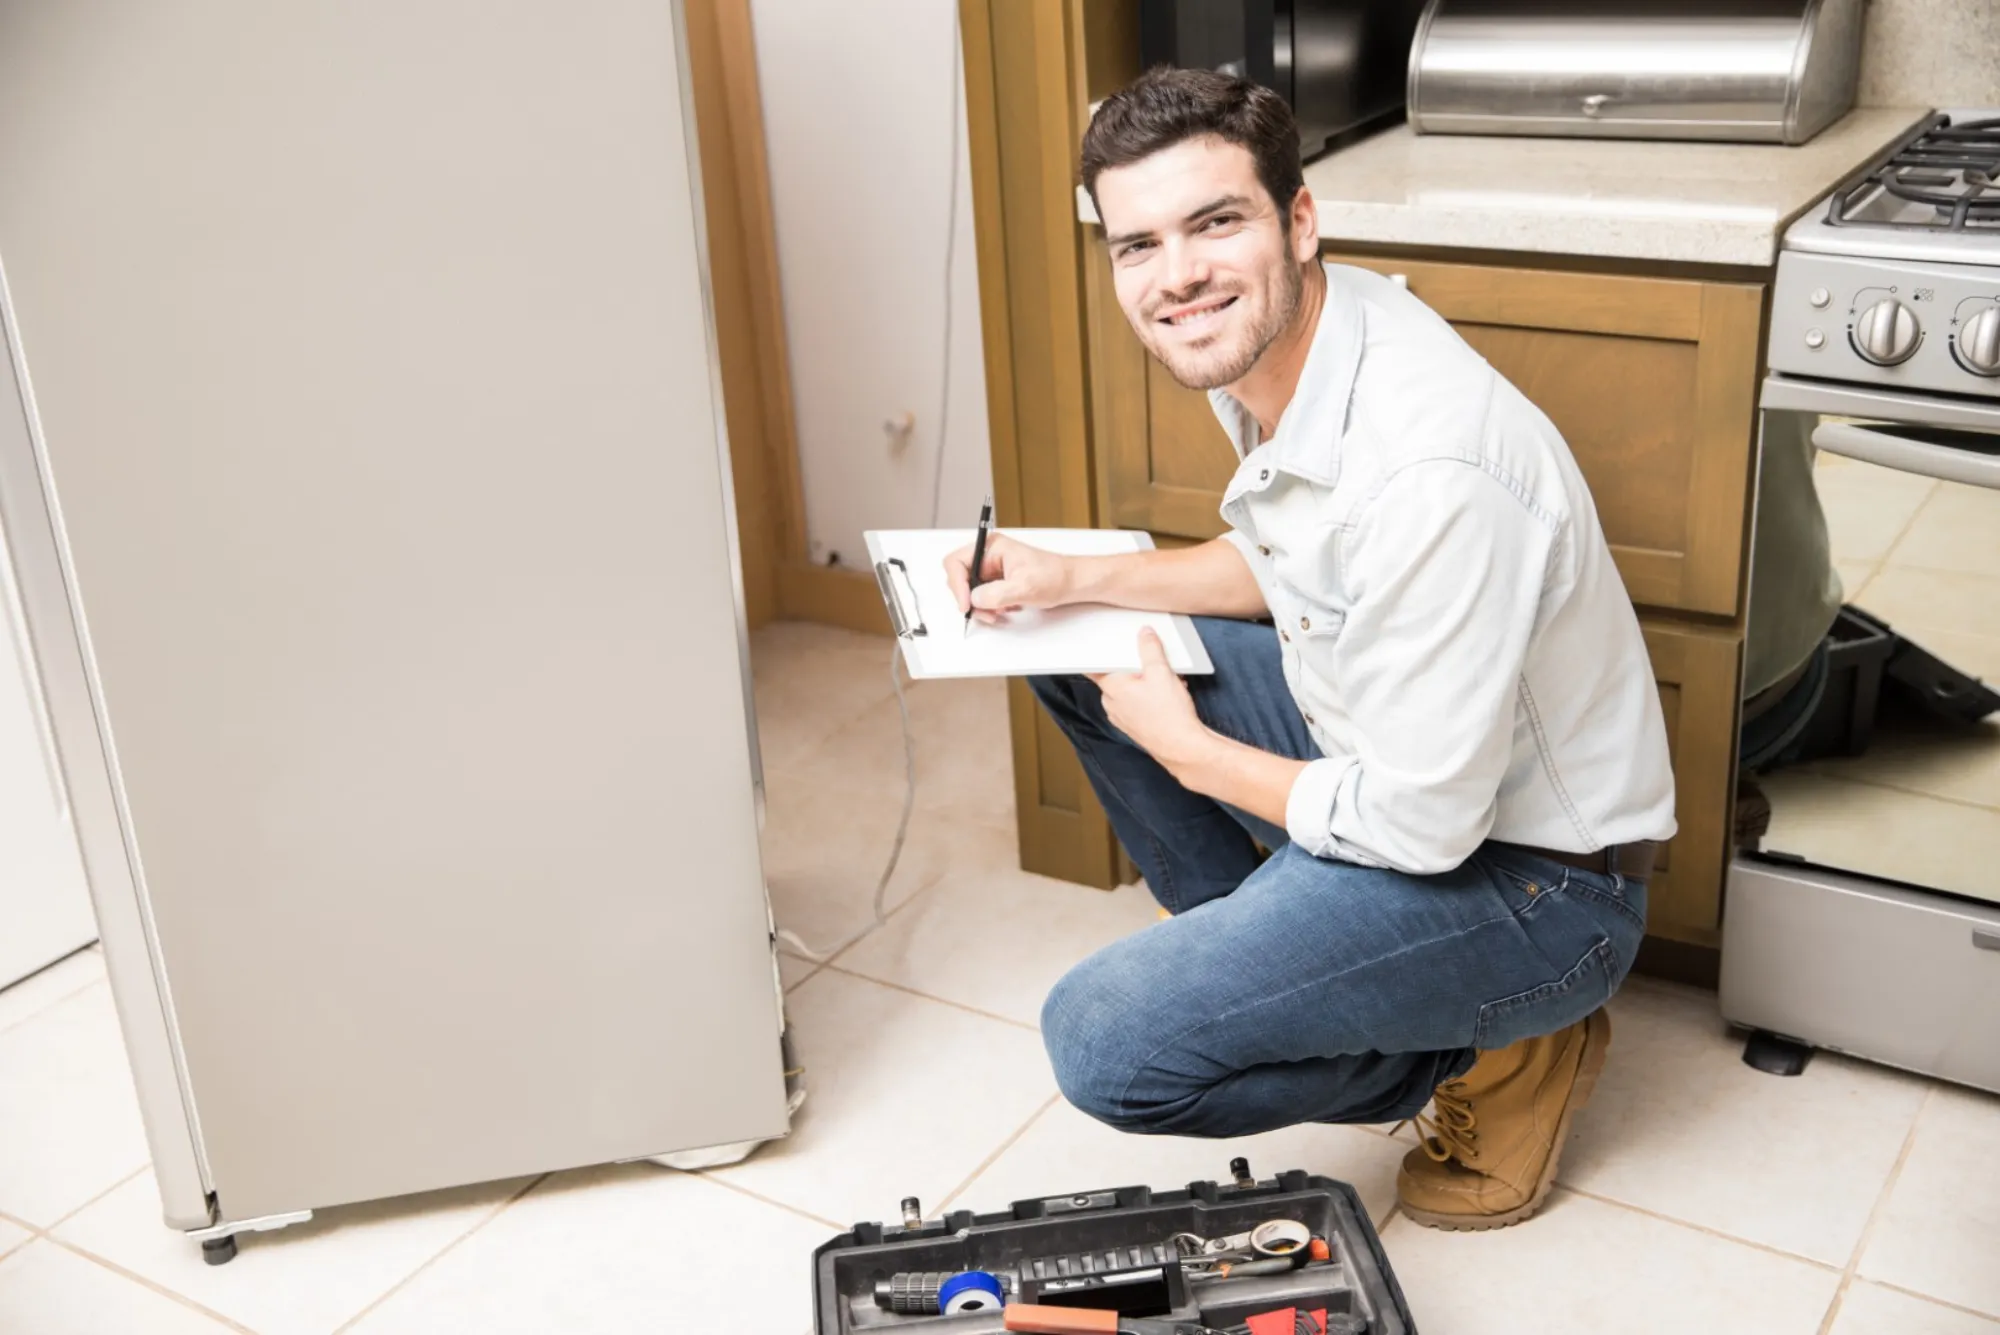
(1307, 440)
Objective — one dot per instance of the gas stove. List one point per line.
(1895, 281)
(1840, 929)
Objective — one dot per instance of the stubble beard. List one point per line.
(1199, 372)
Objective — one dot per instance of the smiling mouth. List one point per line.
(1189, 320)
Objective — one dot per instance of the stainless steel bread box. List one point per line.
(1760, 71)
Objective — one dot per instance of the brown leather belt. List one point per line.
(1633, 860)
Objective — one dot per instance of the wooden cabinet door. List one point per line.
(1652, 382)
(1696, 669)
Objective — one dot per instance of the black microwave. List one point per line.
(1342, 65)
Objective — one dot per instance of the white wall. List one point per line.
(857, 115)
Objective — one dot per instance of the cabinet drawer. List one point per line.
(1697, 673)
(1652, 382)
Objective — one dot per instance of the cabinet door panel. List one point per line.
(1565, 374)
(1697, 674)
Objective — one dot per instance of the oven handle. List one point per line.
(1978, 466)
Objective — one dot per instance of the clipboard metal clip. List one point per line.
(905, 615)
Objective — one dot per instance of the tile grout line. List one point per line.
(1875, 1214)
(942, 1001)
(18, 1222)
(952, 1196)
(98, 1197)
(1933, 1299)
(1690, 1225)
(889, 912)
(426, 1264)
(1857, 781)
(1903, 532)
(32, 1233)
(48, 1006)
(709, 1175)
(139, 1279)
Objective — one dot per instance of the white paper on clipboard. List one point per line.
(909, 567)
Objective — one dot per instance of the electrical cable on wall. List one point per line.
(879, 914)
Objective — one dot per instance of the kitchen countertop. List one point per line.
(1703, 203)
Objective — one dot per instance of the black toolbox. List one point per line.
(1113, 1248)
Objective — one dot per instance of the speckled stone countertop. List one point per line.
(1702, 203)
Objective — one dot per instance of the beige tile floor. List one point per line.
(1697, 1194)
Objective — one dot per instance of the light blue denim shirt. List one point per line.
(1453, 628)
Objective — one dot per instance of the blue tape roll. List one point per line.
(973, 1291)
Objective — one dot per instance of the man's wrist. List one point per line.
(1198, 762)
(1083, 579)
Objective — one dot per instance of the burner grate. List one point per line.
(1946, 179)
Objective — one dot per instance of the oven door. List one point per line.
(1873, 635)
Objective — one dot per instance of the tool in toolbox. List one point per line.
(1291, 1255)
(1029, 1320)
(923, 1292)
(1032, 1320)
(1274, 1246)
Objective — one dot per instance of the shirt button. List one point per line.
(1309, 719)
(1285, 635)
(1264, 475)
(1262, 550)
(1305, 623)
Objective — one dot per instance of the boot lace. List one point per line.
(1453, 1133)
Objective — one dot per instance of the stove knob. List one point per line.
(1886, 333)
(1979, 342)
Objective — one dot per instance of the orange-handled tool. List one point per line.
(1033, 1320)
(1036, 1320)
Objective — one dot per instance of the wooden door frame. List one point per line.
(779, 578)
(1027, 89)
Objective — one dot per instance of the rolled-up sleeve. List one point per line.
(1446, 570)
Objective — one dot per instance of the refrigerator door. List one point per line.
(382, 424)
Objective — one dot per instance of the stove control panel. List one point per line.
(1904, 324)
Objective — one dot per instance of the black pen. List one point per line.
(978, 558)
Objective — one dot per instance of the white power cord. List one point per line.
(879, 909)
(880, 914)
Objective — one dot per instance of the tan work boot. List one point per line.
(1489, 1157)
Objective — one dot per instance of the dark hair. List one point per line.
(1166, 106)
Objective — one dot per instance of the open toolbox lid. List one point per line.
(1115, 1233)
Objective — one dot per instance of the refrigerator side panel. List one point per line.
(377, 391)
(86, 758)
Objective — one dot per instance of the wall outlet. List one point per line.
(898, 430)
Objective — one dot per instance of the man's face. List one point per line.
(1205, 265)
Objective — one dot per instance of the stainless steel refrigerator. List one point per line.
(362, 463)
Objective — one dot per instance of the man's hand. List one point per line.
(1152, 707)
(1016, 576)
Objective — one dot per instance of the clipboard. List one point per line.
(909, 570)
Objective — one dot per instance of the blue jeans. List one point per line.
(1295, 988)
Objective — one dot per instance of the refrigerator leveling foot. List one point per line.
(218, 1241)
(1773, 1055)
